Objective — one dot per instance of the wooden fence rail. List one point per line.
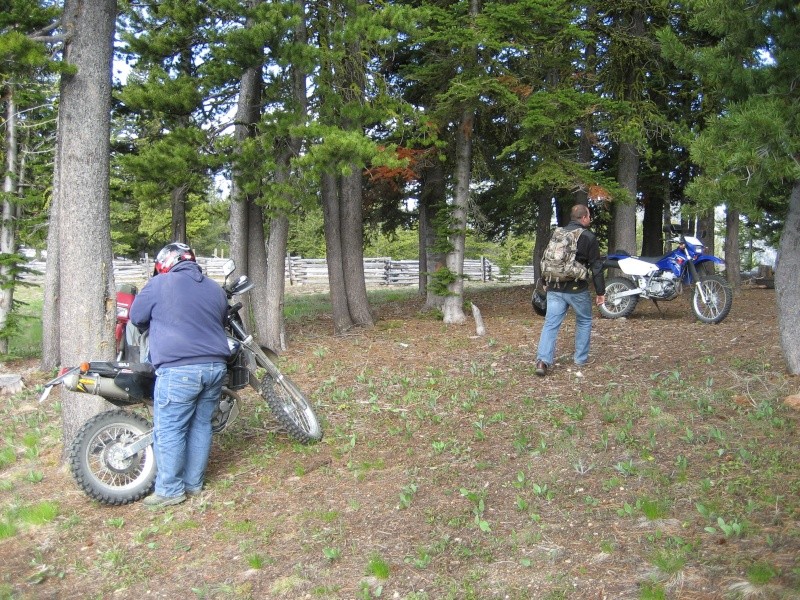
(314, 271)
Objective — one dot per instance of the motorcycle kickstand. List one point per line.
(661, 314)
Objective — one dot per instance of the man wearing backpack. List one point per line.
(567, 265)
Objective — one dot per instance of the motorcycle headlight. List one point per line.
(122, 312)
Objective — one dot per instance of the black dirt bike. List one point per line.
(111, 456)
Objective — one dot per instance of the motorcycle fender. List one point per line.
(708, 258)
(634, 266)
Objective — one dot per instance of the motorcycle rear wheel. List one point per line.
(291, 408)
(93, 465)
(614, 307)
(719, 298)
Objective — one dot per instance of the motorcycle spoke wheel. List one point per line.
(616, 307)
(718, 299)
(98, 468)
(291, 408)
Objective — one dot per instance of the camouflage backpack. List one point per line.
(558, 261)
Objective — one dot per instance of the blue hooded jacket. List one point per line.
(185, 312)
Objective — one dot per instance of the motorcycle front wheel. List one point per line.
(291, 408)
(97, 467)
(616, 307)
(718, 299)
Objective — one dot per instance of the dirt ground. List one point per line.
(449, 470)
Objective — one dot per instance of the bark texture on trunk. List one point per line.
(8, 225)
(454, 301)
(87, 310)
(733, 271)
(432, 198)
(329, 193)
(624, 233)
(787, 284)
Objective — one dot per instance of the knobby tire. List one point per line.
(92, 465)
(291, 408)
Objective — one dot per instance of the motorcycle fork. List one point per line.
(696, 280)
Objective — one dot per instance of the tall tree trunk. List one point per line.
(248, 114)
(787, 284)
(51, 307)
(273, 332)
(454, 301)
(733, 272)
(8, 225)
(652, 237)
(624, 237)
(706, 232)
(178, 205)
(87, 311)
(329, 193)
(432, 198)
(352, 223)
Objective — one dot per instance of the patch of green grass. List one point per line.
(761, 573)
(7, 530)
(378, 567)
(36, 514)
(7, 457)
(654, 508)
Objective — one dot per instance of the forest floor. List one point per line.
(668, 468)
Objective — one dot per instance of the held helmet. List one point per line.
(170, 255)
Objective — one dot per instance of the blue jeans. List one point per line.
(185, 400)
(557, 305)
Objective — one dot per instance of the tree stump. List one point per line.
(11, 384)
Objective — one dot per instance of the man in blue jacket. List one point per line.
(184, 312)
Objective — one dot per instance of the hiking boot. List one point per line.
(541, 368)
(193, 493)
(156, 501)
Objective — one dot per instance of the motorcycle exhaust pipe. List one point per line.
(92, 383)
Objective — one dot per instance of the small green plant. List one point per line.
(626, 510)
(478, 506)
(653, 509)
(543, 491)
(407, 494)
(116, 522)
(480, 427)
(332, 554)
(7, 530)
(378, 567)
(626, 468)
(651, 590)
(669, 560)
(34, 476)
(761, 573)
(255, 561)
(732, 529)
(7, 457)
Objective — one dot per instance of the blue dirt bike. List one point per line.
(664, 277)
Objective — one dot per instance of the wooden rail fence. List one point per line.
(314, 271)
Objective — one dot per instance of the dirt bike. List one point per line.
(663, 278)
(111, 457)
